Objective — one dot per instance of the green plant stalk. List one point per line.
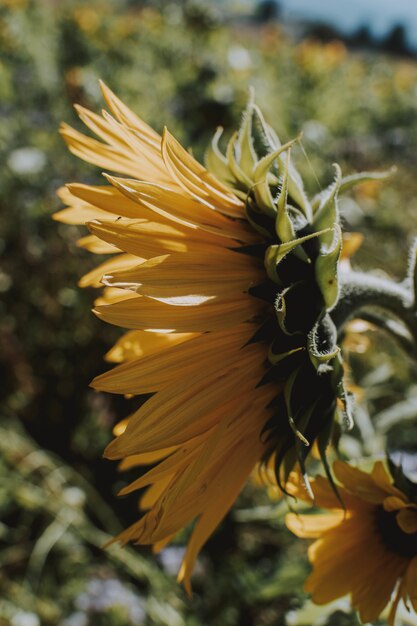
(362, 293)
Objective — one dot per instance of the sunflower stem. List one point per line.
(360, 293)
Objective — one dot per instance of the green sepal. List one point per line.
(274, 358)
(302, 450)
(351, 181)
(348, 182)
(323, 439)
(264, 137)
(283, 345)
(281, 310)
(275, 253)
(288, 463)
(215, 161)
(287, 397)
(233, 164)
(326, 268)
(260, 173)
(259, 221)
(327, 212)
(322, 343)
(338, 383)
(283, 224)
(244, 147)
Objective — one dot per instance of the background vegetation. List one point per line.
(180, 64)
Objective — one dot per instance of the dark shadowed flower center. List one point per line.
(393, 537)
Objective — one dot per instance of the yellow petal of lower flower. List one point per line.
(359, 482)
(410, 582)
(381, 478)
(393, 503)
(329, 580)
(310, 526)
(374, 588)
(407, 520)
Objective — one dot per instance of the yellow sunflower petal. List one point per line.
(117, 263)
(359, 482)
(309, 526)
(151, 373)
(407, 520)
(140, 343)
(176, 206)
(180, 412)
(410, 582)
(126, 116)
(96, 245)
(195, 273)
(196, 180)
(141, 313)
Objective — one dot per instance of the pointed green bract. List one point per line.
(275, 254)
(301, 244)
(215, 161)
(327, 212)
(326, 268)
(247, 156)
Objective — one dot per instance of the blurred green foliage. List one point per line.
(179, 64)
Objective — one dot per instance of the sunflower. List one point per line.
(366, 544)
(225, 278)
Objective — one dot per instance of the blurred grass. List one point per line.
(177, 64)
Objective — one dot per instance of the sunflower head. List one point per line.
(227, 278)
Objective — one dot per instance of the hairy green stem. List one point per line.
(360, 291)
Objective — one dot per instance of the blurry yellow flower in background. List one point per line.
(180, 283)
(368, 549)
